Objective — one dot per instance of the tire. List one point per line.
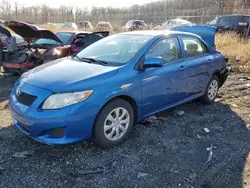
(117, 129)
(211, 91)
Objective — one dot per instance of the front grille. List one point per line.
(25, 98)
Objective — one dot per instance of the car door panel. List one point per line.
(198, 75)
(163, 87)
(197, 65)
(88, 40)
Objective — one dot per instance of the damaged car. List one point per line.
(44, 46)
(105, 89)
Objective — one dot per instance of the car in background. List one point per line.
(135, 25)
(85, 25)
(171, 23)
(71, 42)
(103, 26)
(70, 25)
(105, 89)
(235, 22)
(44, 46)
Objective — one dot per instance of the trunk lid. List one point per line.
(207, 33)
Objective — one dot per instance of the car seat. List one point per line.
(192, 50)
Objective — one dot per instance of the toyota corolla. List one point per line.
(103, 90)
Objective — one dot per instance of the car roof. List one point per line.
(178, 19)
(158, 33)
(232, 15)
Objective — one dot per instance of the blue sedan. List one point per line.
(103, 90)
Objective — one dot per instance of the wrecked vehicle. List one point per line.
(44, 46)
(103, 90)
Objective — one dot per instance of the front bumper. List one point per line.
(64, 126)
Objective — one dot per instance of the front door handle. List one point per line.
(182, 67)
(209, 61)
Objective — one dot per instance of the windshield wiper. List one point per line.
(92, 60)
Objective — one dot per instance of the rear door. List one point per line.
(198, 62)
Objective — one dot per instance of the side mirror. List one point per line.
(153, 62)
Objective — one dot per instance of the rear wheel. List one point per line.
(113, 123)
(211, 91)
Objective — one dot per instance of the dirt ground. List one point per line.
(170, 153)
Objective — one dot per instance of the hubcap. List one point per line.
(212, 90)
(116, 124)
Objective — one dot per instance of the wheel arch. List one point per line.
(127, 98)
(222, 76)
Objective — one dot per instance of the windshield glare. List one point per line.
(64, 37)
(116, 49)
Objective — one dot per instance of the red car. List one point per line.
(48, 46)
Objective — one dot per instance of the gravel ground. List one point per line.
(170, 153)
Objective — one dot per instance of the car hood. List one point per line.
(30, 31)
(207, 33)
(67, 75)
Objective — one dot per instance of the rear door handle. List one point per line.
(182, 67)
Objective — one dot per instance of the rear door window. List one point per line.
(235, 20)
(223, 20)
(194, 46)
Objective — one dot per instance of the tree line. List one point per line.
(198, 11)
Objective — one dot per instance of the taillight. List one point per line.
(243, 24)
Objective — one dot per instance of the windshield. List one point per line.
(64, 37)
(116, 49)
(213, 22)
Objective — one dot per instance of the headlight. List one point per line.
(61, 100)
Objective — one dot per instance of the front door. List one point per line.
(82, 42)
(164, 86)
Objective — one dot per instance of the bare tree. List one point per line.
(198, 11)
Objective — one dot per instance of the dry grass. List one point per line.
(231, 45)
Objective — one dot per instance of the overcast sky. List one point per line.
(84, 3)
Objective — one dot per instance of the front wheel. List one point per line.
(211, 91)
(113, 123)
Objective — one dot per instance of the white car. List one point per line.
(70, 25)
(85, 25)
(171, 23)
(103, 26)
